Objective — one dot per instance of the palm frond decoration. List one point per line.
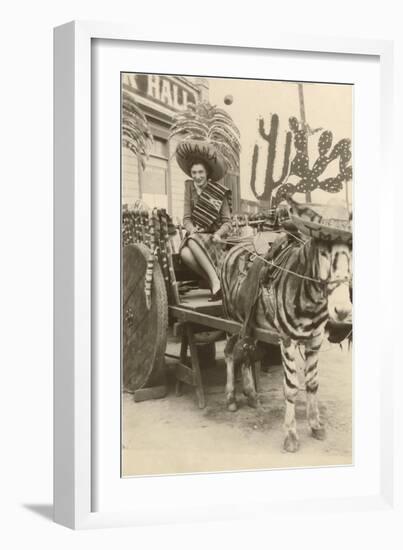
(208, 122)
(136, 132)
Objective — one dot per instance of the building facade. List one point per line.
(161, 183)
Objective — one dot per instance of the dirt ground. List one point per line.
(172, 435)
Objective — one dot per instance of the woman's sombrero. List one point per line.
(333, 226)
(191, 151)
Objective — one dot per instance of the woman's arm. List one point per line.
(187, 209)
(225, 219)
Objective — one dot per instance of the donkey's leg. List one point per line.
(230, 386)
(229, 361)
(290, 384)
(248, 383)
(311, 385)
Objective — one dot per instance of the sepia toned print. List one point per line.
(236, 274)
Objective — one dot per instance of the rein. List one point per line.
(322, 282)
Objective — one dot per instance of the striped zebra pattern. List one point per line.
(294, 306)
(209, 204)
(298, 306)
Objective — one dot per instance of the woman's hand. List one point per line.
(217, 239)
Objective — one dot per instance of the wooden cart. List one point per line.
(159, 293)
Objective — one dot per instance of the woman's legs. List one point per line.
(190, 261)
(196, 259)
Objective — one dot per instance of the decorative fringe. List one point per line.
(167, 257)
(150, 261)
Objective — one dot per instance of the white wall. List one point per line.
(26, 259)
(130, 177)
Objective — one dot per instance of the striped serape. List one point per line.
(208, 207)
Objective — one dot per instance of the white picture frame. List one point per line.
(77, 470)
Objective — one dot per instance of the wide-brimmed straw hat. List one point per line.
(192, 151)
(334, 225)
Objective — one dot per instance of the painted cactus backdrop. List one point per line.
(306, 171)
(271, 137)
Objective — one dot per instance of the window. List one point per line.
(154, 183)
(154, 179)
(159, 148)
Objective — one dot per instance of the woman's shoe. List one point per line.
(216, 297)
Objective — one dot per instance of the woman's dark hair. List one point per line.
(204, 164)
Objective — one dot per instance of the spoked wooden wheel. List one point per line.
(144, 330)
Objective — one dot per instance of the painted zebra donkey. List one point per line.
(293, 291)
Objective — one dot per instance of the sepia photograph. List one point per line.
(236, 274)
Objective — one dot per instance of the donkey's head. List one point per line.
(333, 266)
(330, 243)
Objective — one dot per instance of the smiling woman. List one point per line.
(207, 216)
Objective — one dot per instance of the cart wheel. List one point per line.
(144, 330)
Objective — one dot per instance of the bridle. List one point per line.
(327, 285)
(323, 283)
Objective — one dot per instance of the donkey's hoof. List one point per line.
(232, 406)
(291, 443)
(319, 433)
(253, 401)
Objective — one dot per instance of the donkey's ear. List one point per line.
(303, 212)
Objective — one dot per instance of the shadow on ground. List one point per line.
(43, 510)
